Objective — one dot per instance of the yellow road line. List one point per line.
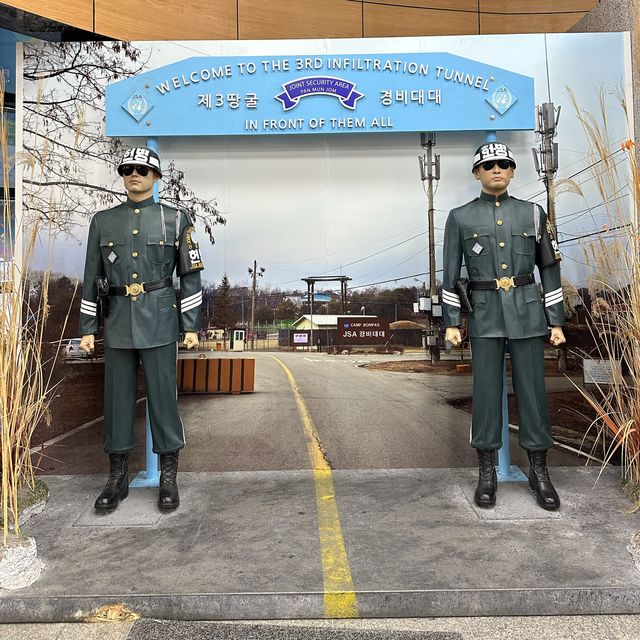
(339, 593)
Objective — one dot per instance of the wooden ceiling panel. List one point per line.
(532, 23)
(159, 20)
(281, 19)
(75, 13)
(455, 5)
(391, 21)
(538, 6)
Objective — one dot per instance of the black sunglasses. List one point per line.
(140, 169)
(503, 164)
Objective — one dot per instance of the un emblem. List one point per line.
(502, 99)
(137, 106)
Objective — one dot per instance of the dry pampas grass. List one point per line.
(615, 315)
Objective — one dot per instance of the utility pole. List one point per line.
(545, 156)
(254, 273)
(430, 171)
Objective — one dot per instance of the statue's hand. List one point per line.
(452, 335)
(87, 343)
(190, 339)
(557, 336)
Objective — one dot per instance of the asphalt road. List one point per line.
(365, 419)
(370, 419)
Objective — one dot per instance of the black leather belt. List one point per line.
(503, 283)
(137, 288)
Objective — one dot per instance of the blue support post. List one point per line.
(507, 472)
(150, 477)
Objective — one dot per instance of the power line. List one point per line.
(414, 275)
(577, 173)
(599, 232)
(381, 251)
(335, 253)
(577, 214)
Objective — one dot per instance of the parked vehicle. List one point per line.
(71, 350)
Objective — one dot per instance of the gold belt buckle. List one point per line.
(134, 289)
(505, 283)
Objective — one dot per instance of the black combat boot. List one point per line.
(168, 498)
(485, 495)
(539, 481)
(117, 487)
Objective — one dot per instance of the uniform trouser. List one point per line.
(120, 386)
(527, 366)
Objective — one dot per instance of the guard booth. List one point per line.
(237, 342)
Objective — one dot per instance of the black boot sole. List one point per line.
(168, 507)
(104, 509)
(542, 503)
(484, 505)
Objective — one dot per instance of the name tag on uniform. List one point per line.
(477, 248)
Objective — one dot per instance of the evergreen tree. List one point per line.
(287, 310)
(224, 314)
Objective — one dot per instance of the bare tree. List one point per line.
(71, 163)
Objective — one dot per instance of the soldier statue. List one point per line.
(132, 252)
(502, 239)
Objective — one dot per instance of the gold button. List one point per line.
(133, 298)
(504, 266)
(135, 254)
(111, 244)
(136, 211)
(135, 232)
(161, 241)
(499, 222)
(502, 244)
(497, 204)
(134, 275)
(525, 234)
(475, 235)
(174, 306)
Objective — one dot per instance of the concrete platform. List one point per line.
(244, 545)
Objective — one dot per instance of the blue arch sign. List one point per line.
(347, 93)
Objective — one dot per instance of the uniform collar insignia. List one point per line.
(491, 198)
(142, 204)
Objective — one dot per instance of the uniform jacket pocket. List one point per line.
(523, 239)
(158, 250)
(532, 293)
(478, 297)
(112, 249)
(167, 302)
(477, 241)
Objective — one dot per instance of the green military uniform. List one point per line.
(500, 237)
(136, 243)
